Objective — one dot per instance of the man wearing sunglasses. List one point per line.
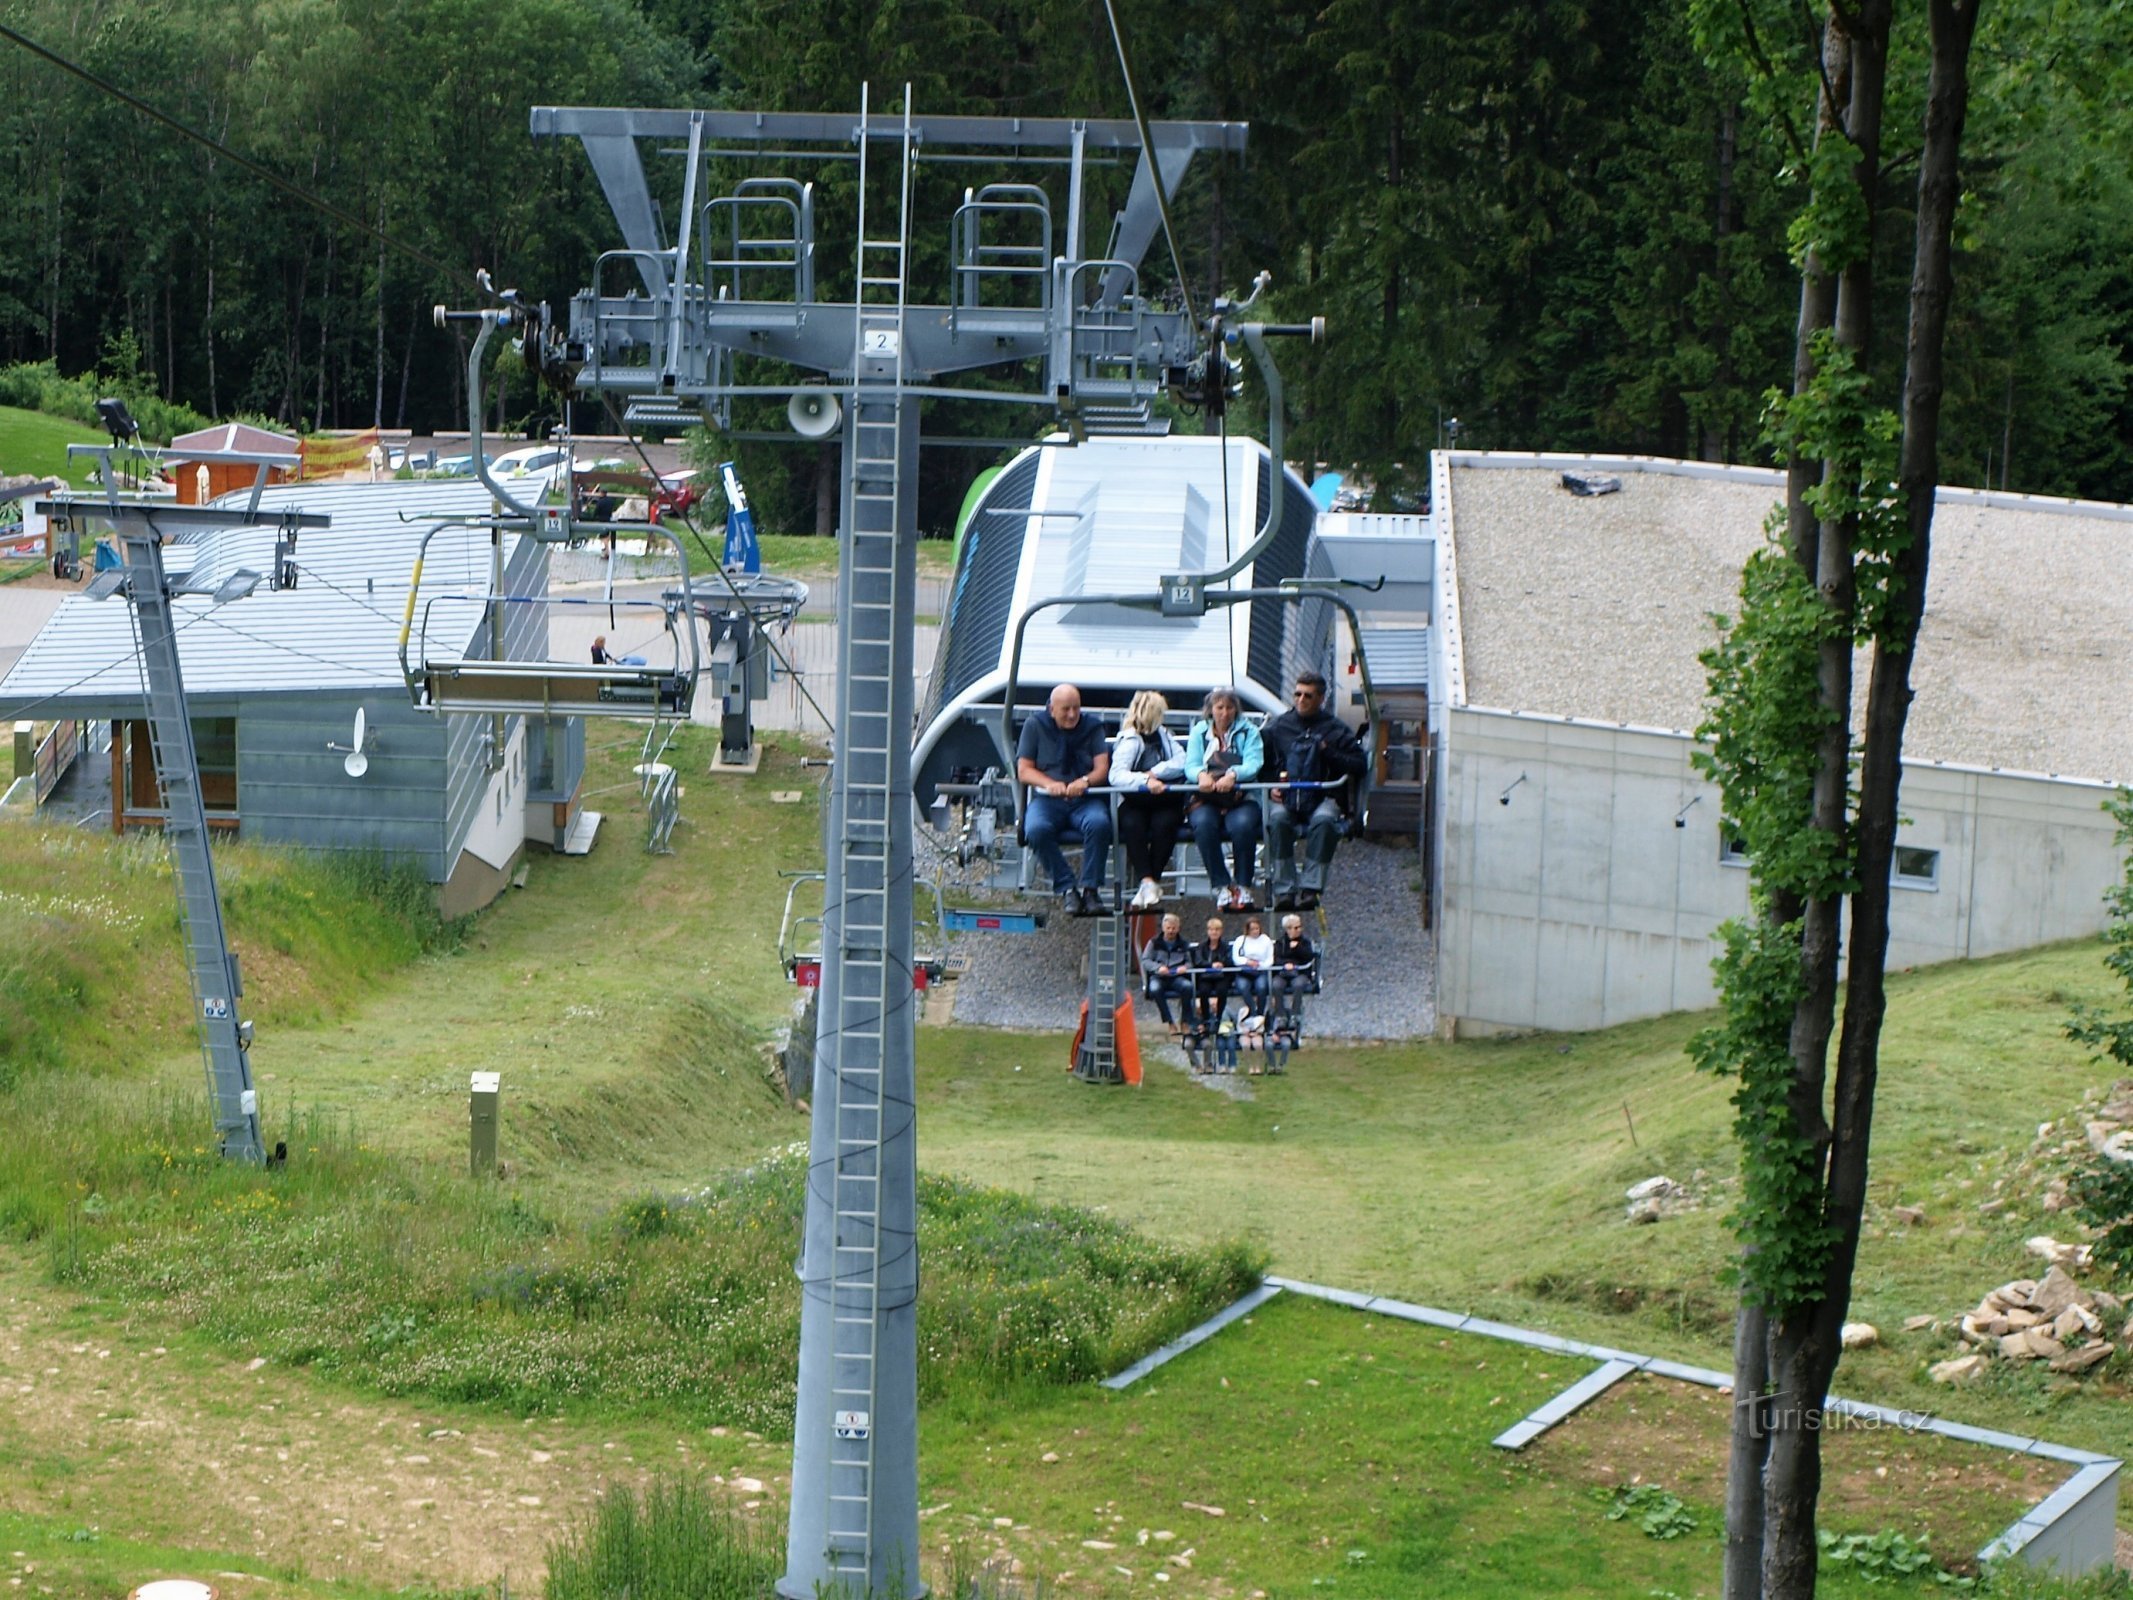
(1308, 747)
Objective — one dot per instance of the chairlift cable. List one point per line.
(1155, 167)
(295, 190)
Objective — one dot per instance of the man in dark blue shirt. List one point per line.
(1060, 757)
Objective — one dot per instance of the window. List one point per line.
(1732, 852)
(1916, 868)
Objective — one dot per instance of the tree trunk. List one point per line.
(1717, 432)
(1744, 1473)
(1952, 24)
(377, 407)
(1855, 56)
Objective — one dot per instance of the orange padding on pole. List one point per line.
(1126, 1041)
(1081, 1032)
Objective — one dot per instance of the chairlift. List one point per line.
(444, 679)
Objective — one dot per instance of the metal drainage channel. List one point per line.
(2071, 1529)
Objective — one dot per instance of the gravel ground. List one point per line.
(1380, 963)
(2026, 647)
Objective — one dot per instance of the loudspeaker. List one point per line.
(814, 413)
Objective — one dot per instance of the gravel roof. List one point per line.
(1597, 608)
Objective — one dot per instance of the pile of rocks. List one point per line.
(1660, 1196)
(2051, 1319)
(2109, 1126)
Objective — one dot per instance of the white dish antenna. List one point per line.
(355, 761)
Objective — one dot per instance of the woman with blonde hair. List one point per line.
(1146, 762)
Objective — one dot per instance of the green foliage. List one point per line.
(1659, 1512)
(1834, 420)
(2112, 1037)
(2102, 1189)
(38, 386)
(670, 1542)
(1879, 1557)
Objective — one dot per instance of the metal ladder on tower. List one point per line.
(223, 1037)
(1097, 1059)
(862, 834)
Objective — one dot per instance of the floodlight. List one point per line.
(117, 420)
(235, 587)
(105, 584)
(1504, 799)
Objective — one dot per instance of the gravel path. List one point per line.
(1380, 963)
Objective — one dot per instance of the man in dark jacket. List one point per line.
(1310, 744)
(1166, 964)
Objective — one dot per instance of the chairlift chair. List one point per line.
(451, 682)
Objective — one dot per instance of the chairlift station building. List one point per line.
(275, 681)
(1580, 868)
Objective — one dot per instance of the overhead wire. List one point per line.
(294, 190)
(1155, 167)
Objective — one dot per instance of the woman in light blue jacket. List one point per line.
(1223, 752)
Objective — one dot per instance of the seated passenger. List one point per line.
(1145, 762)
(1061, 756)
(1311, 745)
(1294, 972)
(1253, 954)
(1166, 965)
(1222, 752)
(1213, 978)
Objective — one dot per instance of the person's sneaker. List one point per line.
(1284, 901)
(1070, 902)
(1241, 899)
(1307, 901)
(1148, 896)
(1092, 902)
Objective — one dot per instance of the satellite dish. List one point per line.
(356, 763)
(814, 413)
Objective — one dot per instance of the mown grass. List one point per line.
(1313, 1449)
(35, 442)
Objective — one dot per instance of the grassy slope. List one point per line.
(1486, 1175)
(1489, 1176)
(30, 441)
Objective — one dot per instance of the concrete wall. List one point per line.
(1579, 904)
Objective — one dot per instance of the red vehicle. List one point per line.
(597, 495)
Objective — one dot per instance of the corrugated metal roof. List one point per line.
(338, 629)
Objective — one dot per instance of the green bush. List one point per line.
(38, 386)
(670, 1543)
